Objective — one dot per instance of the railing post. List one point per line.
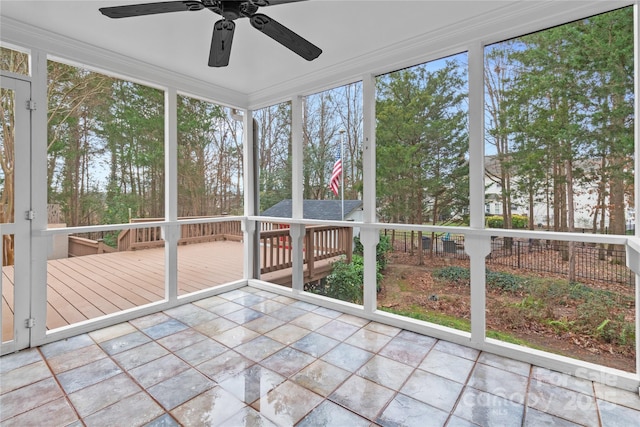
(349, 244)
(296, 231)
(370, 239)
(478, 247)
(310, 251)
(133, 232)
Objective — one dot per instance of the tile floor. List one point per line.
(253, 358)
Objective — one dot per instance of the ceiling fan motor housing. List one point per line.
(223, 30)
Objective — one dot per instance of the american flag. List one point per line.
(334, 182)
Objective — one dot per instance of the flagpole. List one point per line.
(342, 173)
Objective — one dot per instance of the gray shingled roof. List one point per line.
(328, 210)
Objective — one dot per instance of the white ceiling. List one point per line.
(356, 36)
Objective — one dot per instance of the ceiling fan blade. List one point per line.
(130, 10)
(264, 3)
(221, 43)
(285, 36)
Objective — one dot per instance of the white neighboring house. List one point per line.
(585, 200)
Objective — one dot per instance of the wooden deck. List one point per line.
(87, 287)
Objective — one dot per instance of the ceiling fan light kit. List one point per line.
(223, 29)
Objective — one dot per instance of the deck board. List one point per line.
(91, 286)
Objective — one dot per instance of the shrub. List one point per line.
(494, 279)
(517, 221)
(505, 281)
(495, 222)
(458, 275)
(346, 280)
(382, 250)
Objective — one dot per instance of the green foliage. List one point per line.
(505, 281)
(595, 313)
(531, 304)
(494, 221)
(560, 326)
(497, 280)
(457, 275)
(596, 319)
(382, 250)
(417, 312)
(421, 142)
(346, 279)
(517, 221)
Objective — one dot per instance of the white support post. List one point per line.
(476, 135)
(171, 232)
(636, 67)
(39, 243)
(297, 190)
(297, 158)
(369, 237)
(369, 148)
(248, 226)
(477, 247)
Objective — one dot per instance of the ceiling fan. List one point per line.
(223, 29)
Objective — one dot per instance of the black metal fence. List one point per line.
(592, 262)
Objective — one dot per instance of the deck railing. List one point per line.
(150, 237)
(319, 243)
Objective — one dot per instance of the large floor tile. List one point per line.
(362, 396)
(252, 383)
(488, 410)
(447, 365)
(287, 404)
(328, 414)
(227, 361)
(58, 410)
(212, 407)
(87, 375)
(386, 372)
(76, 358)
(140, 355)
(407, 412)
(347, 357)
(23, 376)
(315, 344)
(105, 393)
(224, 366)
(259, 348)
(321, 377)
(201, 351)
(564, 403)
(180, 388)
(405, 351)
(248, 417)
(288, 361)
(135, 410)
(13, 361)
(158, 370)
(24, 399)
(499, 382)
(613, 414)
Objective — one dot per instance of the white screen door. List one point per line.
(15, 195)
